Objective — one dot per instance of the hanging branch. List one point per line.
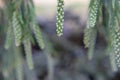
(90, 31)
(117, 46)
(9, 37)
(16, 29)
(60, 17)
(93, 13)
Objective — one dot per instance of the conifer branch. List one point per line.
(117, 45)
(9, 37)
(28, 52)
(16, 29)
(38, 36)
(93, 13)
(18, 63)
(60, 17)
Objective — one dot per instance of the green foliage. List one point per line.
(21, 24)
(9, 37)
(28, 52)
(89, 40)
(18, 63)
(93, 12)
(90, 31)
(111, 31)
(38, 36)
(60, 16)
(16, 29)
(111, 23)
(117, 45)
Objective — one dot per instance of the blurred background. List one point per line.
(65, 58)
